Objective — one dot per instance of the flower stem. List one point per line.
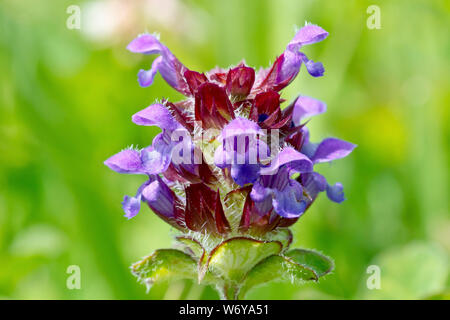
(228, 291)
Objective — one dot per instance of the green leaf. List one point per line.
(192, 245)
(233, 258)
(284, 235)
(164, 265)
(296, 266)
(320, 264)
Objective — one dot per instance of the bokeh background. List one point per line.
(67, 96)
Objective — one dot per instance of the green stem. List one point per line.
(228, 291)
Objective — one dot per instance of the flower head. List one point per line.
(229, 158)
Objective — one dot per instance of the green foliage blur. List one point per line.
(66, 100)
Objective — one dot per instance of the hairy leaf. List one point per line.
(296, 266)
(232, 259)
(164, 265)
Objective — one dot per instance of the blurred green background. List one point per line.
(67, 96)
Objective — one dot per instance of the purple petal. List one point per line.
(245, 173)
(145, 77)
(183, 151)
(289, 203)
(289, 67)
(305, 132)
(331, 149)
(336, 193)
(315, 69)
(308, 148)
(294, 160)
(156, 160)
(166, 148)
(313, 183)
(222, 158)
(306, 107)
(170, 68)
(146, 44)
(156, 115)
(240, 144)
(159, 197)
(131, 206)
(126, 161)
(240, 127)
(309, 34)
(262, 197)
(259, 192)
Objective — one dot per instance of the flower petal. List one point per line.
(156, 159)
(336, 192)
(160, 198)
(313, 183)
(156, 115)
(289, 203)
(145, 77)
(306, 107)
(240, 127)
(288, 68)
(146, 44)
(262, 198)
(280, 74)
(131, 206)
(170, 68)
(245, 173)
(331, 149)
(309, 34)
(222, 158)
(293, 159)
(240, 145)
(126, 161)
(315, 69)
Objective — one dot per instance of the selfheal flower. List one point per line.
(241, 150)
(230, 179)
(277, 190)
(231, 169)
(328, 150)
(158, 156)
(167, 64)
(287, 65)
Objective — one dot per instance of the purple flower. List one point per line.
(287, 66)
(167, 64)
(132, 205)
(305, 107)
(159, 197)
(328, 150)
(241, 150)
(276, 186)
(127, 161)
(230, 144)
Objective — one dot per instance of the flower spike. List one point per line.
(231, 170)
